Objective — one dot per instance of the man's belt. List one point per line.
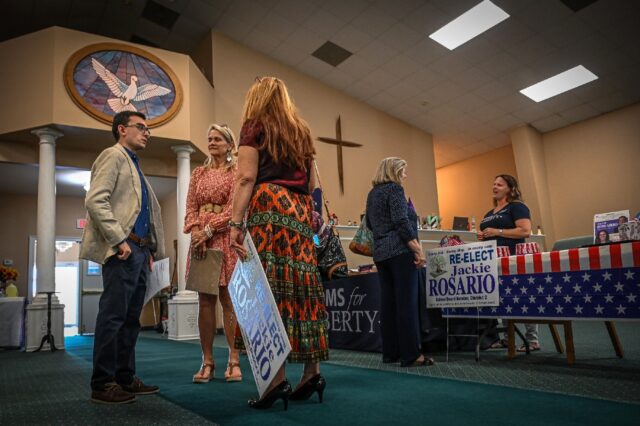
(142, 242)
(211, 208)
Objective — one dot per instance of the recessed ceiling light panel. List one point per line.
(470, 24)
(560, 83)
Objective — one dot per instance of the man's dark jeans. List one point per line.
(118, 322)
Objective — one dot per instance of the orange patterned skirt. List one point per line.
(280, 226)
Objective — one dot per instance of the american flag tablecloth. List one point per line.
(600, 282)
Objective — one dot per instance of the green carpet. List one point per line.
(356, 396)
(56, 385)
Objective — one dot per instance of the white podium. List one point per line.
(183, 317)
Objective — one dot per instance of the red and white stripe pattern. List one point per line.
(623, 255)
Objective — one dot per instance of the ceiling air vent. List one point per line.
(577, 5)
(332, 54)
(158, 14)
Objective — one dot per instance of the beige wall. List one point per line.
(235, 68)
(169, 208)
(18, 213)
(464, 188)
(35, 80)
(592, 167)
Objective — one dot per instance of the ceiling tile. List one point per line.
(175, 5)
(567, 31)
(469, 102)
(377, 53)
(561, 102)
(346, 10)
(424, 79)
(338, 78)
(373, 21)
(401, 37)
(550, 123)
(295, 10)
(427, 51)
(493, 90)
(454, 8)
(487, 112)
(276, 27)
(579, 113)
(444, 92)
(506, 122)
(324, 23)
(351, 39)
(151, 31)
(231, 27)
(261, 42)
(398, 9)
(304, 40)
(405, 111)
(508, 33)
(500, 64)
(202, 12)
(544, 13)
(363, 90)
(531, 113)
(531, 50)
(401, 66)
(356, 66)
(380, 79)
(403, 90)
(314, 67)
(425, 19)
(248, 12)
(190, 29)
(610, 102)
(289, 55)
(450, 65)
(472, 78)
(384, 101)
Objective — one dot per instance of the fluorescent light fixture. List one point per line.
(560, 83)
(470, 24)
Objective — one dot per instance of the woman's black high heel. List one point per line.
(282, 391)
(304, 392)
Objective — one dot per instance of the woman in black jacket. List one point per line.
(397, 253)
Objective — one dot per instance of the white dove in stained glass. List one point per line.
(126, 92)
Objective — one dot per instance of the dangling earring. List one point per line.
(229, 156)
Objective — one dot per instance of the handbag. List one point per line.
(332, 262)
(204, 274)
(362, 242)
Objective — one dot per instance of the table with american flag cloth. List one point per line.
(592, 283)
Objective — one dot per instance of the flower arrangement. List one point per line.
(8, 274)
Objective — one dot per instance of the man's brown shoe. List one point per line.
(112, 394)
(138, 388)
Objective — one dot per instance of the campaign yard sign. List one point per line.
(464, 275)
(262, 329)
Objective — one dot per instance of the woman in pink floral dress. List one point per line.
(207, 216)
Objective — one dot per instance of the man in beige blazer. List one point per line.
(123, 233)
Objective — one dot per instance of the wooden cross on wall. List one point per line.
(339, 143)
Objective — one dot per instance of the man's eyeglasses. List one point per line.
(141, 127)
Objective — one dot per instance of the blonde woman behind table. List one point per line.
(209, 206)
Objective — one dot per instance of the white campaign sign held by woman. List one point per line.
(262, 329)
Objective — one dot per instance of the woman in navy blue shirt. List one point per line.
(509, 223)
(397, 253)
